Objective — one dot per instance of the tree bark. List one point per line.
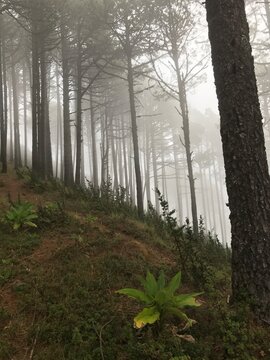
(178, 184)
(48, 144)
(247, 175)
(125, 155)
(114, 155)
(155, 170)
(68, 168)
(25, 114)
(120, 154)
(93, 141)
(35, 89)
(11, 146)
(185, 117)
(130, 171)
(42, 115)
(147, 163)
(59, 125)
(213, 209)
(135, 137)
(203, 192)
(14, 75)
(5, 94)
(219, 203)
(3, 123)
(79, 110)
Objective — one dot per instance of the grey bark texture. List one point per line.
(247, 175)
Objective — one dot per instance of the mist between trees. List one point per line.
(99, 91)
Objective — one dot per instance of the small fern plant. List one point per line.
(161, 300)
(21, 215)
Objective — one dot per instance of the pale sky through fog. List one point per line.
(204, 95)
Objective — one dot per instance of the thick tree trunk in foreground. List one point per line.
(247, 176)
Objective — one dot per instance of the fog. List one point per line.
(87, 97)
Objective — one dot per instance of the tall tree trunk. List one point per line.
(208, 207)
(82, 168)
(48, 154)
(223, 202)
(147, 163)
(3, 123)
(68, 167)
(120, 154)
(218, 191)
(155, 170)
(44, 133)
(247, 176)
(79, 110)
(107, 175)
(203, 192)
(11, 145)
(5, 89)
(213, 210)
(93, 141)
(135, 134)
(103, 150)
(42, 118)
(25, 114)
(89, 146)
(178, 185)
(163, 172)
(59, 124)
(125, 155)
(185, 117)
(187, 191)
(130, 170)
(35, 89)
(114, 155)
(14, 75)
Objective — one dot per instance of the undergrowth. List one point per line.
(58, 283)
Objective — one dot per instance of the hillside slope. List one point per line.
(58, 283)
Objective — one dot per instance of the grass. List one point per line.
(58, 283)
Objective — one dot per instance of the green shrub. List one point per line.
(6, 270)
(200, 256)
(51, 214)
(21, 215)
(32, 180)
(161, 300)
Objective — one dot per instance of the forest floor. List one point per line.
(58, 283)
